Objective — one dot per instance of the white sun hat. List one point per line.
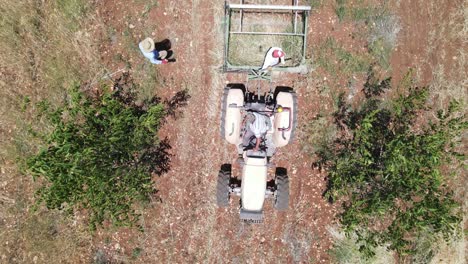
(147, 45)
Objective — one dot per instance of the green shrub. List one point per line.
(101, 155)
(386, 168)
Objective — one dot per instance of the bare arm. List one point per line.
(257, 143)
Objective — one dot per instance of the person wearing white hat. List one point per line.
(273, 57)
(154, 56)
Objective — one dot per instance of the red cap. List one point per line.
(278, 54)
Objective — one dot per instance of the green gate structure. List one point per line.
(250, 30)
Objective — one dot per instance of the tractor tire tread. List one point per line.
(222, 189)
(282, 192)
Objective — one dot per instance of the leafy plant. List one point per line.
(101, 154)
(386, 168)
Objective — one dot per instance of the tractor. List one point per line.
(249, 33)
(255, 185)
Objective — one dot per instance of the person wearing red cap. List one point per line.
(273, 57)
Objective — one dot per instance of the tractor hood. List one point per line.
(254, 175)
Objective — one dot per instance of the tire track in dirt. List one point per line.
(197, 150)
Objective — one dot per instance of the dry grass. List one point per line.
(319, 134)
(298, 242)
(346, 251)
(44, 237)
(453, 252)
(428, 249)
(382, 39)
(385, 27)
(380, 26)
(449, 80)
(339, 62)
(45, 46)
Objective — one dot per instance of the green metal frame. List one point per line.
(255, 74)
(227, 67)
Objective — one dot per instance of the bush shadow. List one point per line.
(174, 104)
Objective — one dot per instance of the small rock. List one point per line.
(131, 26)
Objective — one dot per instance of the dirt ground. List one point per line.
(183, 224)
(429, 39)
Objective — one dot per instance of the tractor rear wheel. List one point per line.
(282, 189)
(222, 188)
